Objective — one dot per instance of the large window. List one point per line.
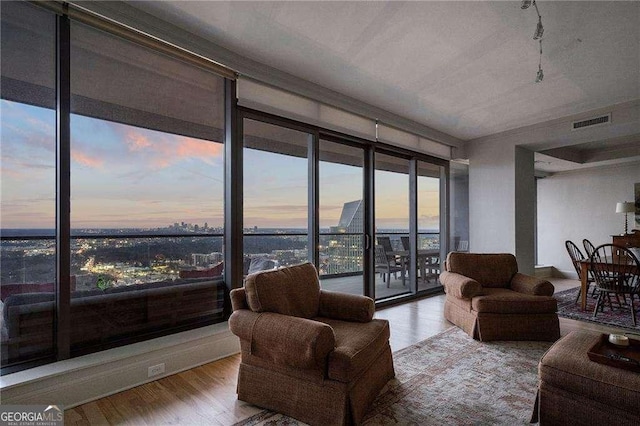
(146, 190)
(146, 173)
(275, 196)
(28, 182)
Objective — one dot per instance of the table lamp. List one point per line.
(625, 207)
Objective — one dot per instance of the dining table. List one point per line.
(424, 258)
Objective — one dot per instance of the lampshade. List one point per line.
(626, 207)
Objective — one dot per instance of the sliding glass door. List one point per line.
(368, 217)
(429, 225)
(341, 217)
(392, 220)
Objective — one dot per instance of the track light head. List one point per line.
(539, 30)
(525, 4)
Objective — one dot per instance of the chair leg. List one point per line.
(633, 311)
(578, 296)
(388, 279)
(595, 311)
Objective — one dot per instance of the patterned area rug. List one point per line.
(451, 379)
(617, 317)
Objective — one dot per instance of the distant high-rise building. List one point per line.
(345, 251)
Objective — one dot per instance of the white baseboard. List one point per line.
(543, 271)
(79, 380)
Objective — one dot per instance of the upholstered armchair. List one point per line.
(490, 300)
(314, 355)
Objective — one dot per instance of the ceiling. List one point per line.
(464, 68)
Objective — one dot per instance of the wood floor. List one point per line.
(206, 395)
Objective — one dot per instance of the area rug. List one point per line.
(451, 379)
(616, 317)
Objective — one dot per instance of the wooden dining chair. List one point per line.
(616, 271)
(576, 256)
(589, 248)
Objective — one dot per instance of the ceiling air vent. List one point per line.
(595, 121)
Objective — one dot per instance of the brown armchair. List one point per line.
(490, 300)
(314, 355)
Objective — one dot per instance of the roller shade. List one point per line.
(112, 78)
(27, 32)
(117, 80)
(262, 97)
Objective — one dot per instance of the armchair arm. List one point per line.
(346, 307)
(284, 340)
(460, 286)
(238, 299)
(528, 284)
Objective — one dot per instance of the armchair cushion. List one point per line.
(460, 286)
(285, 340)
(531, 285)
(505, 301)
(293, 291)
(490, 270)
(346, 307)
(357, 346)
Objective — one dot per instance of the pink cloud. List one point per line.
(162, 150)
(136, 141)
(86, 159)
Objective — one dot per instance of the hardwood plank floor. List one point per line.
(206, 394)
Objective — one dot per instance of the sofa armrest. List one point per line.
(460, 286)
(346, 307)
(528, 284)
(284, 340)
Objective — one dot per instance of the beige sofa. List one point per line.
(490, 300)
(314, 355)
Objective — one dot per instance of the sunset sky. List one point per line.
(128, 177)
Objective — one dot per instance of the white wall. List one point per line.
(581, 204)
(491, 199)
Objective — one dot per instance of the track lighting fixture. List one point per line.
(537, 35)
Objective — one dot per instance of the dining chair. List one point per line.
(385, 242)
(406, 244)
(616, 271)
(576, 256)
(588, 247)
(386, 266)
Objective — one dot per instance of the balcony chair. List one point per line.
(386, 266)
(314, 355)
(490, 300)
